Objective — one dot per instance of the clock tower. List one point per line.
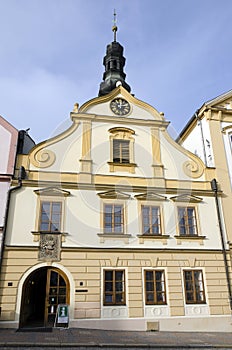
(114, 62)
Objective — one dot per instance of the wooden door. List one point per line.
(57, 292)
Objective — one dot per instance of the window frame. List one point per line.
(154, 292)
(49, 196)
(150, 218)
(186, 218)
(122, 134)
(193, 290)
(120, 152)
(114, 291)
(122, 221)
(51, 213)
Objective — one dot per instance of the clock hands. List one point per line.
(120, 106)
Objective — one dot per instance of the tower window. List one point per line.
(121, 151)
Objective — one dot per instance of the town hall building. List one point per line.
(118, 221)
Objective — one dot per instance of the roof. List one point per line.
(210, 103)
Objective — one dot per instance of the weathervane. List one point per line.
(114, 28)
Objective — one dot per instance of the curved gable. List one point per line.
(139, 109)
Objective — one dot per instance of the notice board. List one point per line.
(62, 315)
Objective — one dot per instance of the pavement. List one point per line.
(92, 339)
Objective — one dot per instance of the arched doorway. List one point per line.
(43, 290)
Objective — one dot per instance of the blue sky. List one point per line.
(178, 55)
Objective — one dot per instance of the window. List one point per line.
(121, 151)
(50, 216)
(187, 221)
(155, 287)
(194, 287)
(114, 287)
(113, 218)
(151, 220)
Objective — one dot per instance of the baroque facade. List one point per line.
(111, 218)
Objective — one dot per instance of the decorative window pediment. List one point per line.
(52, 191)
(150, 196)
(186, 198)
(114, 195)
(121, 132)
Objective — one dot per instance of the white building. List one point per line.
(112, 218)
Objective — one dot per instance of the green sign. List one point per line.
(62, 316)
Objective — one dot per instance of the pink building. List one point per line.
(8, 149)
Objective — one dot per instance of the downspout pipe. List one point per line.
(214, 187)
(21, 176)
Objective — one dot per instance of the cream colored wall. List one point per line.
(101, 150)
(66, 156)
(65, 152)
(82, 222)
(22, 218)
(84, 269)
(176, 160)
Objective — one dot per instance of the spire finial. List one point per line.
(114, 28)
(114, 61)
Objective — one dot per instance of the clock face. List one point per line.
(119, 106)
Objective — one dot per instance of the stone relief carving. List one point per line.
(49, 247)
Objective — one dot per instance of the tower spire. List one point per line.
(115, 28)
(114, 62)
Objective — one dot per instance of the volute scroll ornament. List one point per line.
(43, 158)
(192, 168)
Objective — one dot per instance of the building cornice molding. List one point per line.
(172, 186)
(159, 250)
(121, 120)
